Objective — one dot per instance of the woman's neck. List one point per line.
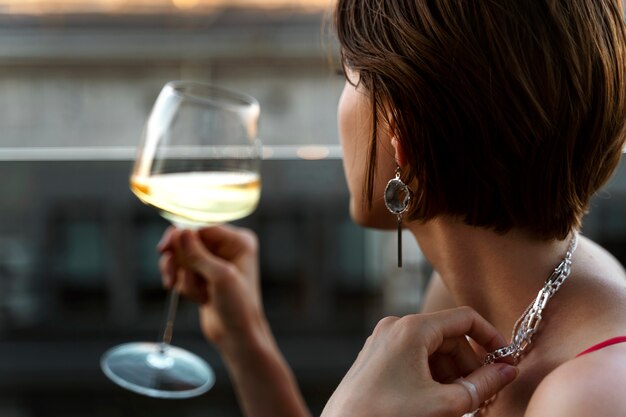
(496, 274)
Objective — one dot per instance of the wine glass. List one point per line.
(198, 164)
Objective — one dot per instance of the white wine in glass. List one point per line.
(199, 165)
(200, 197)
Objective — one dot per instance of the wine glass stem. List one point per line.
(168, 329)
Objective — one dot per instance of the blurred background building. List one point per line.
(78, 269)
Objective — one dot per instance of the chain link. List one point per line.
(527, 325)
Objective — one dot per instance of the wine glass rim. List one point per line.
(216, 95)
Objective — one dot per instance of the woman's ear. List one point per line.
(397, 146)
(398, 151)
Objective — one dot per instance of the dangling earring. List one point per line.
(397, 197)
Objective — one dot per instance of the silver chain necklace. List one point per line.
(526, 326)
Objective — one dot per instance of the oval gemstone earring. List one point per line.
(397, 197)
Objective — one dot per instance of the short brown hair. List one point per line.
(511, 112)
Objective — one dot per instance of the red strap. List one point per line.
(620, 339)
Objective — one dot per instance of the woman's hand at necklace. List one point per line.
(422, 366)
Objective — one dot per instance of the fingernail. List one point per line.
(162, 243)
(509, 372)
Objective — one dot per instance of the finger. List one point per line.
(443, 369)
(454, 358)
(195, 256)
(192, 286)
(480, 351)
(459, 322)
(228, 241)
(481, 385)
(166, 240)
(167, 267)
(460, 350)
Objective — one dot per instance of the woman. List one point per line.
(503, 118)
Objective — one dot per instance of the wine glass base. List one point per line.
(146, 369)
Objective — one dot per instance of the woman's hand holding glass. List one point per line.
(217, 267)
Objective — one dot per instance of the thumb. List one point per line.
(482, 384)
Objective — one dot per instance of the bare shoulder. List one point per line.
(591, 385)
(597, 254)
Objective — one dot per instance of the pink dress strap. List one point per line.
(609, 342)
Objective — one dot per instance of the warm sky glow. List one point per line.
(107, 6)
(185, 4)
